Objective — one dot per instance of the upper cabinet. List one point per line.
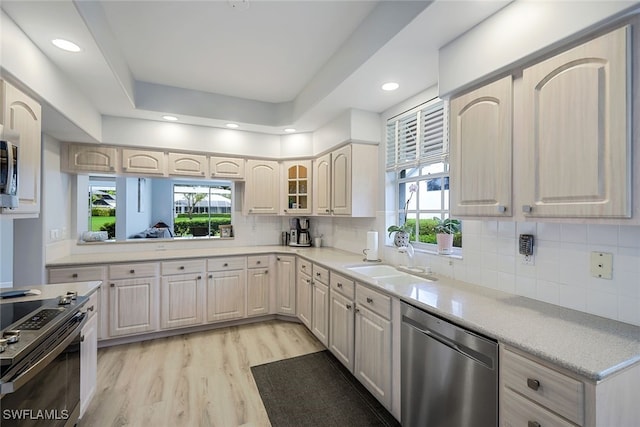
(227, 167)
(343, 186)
(570, 120)
(297, 187)
(262, 193)
(576, 151)
(23, 115)
(90, 158)
(480, 149)
(143, 162)
(187, 164)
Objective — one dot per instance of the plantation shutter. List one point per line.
(416, 138)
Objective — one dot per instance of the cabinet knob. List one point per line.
(339, 284)
(266, 272)
(74, 275)
(132, 271)
(533, 424)
(327, 210)
(90, 308)
(258, 262)
(181, 267)
(309, 281)
(113, 285)
(533, 384)
(199, 277)
(304, 267)
(278, 258)
(348, 306)
(318, 274)
(211, 276)
(286, 211)
(502, 208)
(527, 208)
(226, 264)
(369, 300)
(357, 310)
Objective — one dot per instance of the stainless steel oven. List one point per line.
(40, 382)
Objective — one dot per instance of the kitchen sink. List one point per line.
(391, 275)
(375, 270)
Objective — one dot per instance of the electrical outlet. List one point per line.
(528, 260)
(602, 265)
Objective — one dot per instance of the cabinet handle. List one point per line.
(132, 271)
(304, 267)
(285, 211)
(211, 276)
(74, 275)
(527, 208)
(327, 210)
(533, 424)
(357, 310)
(278, 258)
(369, 300)
(533, 384)
(113, 285)
(258, 262)
(199, 277)
(226, 264)
(339, 284)
(318, 274)
(90, 308)
(309, 281)
(348, 306)
(181, 267)
(502, 209)
(266, 272)
(81, 338)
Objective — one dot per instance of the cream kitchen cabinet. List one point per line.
(89, 355)
(133, 298)
(226, 288)
(286, 285)
(304, 293)
(227, 167)
(187, 164)
(481, 151)
(23, 115)
(258, 285)
(320, 304)
(576, 153)
(342, 319)
(340, 185)
(89, 158)
(182, 293)
(373, 343)
(296, 177)
(262, 195)
(144, 162)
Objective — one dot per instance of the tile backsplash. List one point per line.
(561, 271)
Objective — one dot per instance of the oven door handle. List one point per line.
(13, 384)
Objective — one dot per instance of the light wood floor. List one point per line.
(198, 379)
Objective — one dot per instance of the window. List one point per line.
(201, 209)
(416, 160)
(102, 205)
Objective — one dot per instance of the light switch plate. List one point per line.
(602, 265)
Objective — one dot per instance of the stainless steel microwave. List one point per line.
(8, 174)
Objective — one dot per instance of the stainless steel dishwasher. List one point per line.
(449, 374)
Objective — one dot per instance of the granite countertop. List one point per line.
(591, 346)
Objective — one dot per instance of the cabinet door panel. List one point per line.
(91, 159)
(181, 300)
(286, 285)
(187, 164)
(577, 158)
(341, 328)
(261, 190)
(322, 185)
(222, 167)
(341, 183)
(481, 146)
(133, 306)
(320, 316)
(226, 295)
(145, 162)
(373, 354)
(258, 292)
(304, 298)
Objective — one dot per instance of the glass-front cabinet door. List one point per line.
(297, 176)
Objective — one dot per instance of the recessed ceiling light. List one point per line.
(66, 45)
(390, 86)
(170, 118)
(289, 130)
(232, 125)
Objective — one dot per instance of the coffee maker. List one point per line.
(299, 233)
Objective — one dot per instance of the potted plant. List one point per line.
(445, 229)
(403, 232)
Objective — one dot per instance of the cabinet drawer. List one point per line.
(320, 274)
(374, 301)
(76, 274)
(224, 264)
(561, 394)
(346, 287)
(257, 261)
(127, 271)
(520, 412)
(304, 266)
(182, 267)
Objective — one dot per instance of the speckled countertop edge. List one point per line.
(590, 346)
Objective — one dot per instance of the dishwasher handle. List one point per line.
(462, 349)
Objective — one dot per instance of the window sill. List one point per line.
(457, 252)
(154, 240)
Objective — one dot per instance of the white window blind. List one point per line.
(416, 138)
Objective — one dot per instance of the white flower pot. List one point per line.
(445, 243)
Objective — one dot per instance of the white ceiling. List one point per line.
(263, 64)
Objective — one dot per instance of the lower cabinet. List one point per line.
(286, 284)
(320, 315)
(133, 306)
(89, 355)
(226, 295)
(258, 286)
(304, 293)
(342, 328)
(373, 343)
(181, 300)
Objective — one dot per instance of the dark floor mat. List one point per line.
(317, 390)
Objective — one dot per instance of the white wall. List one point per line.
(6, 252)
(139, 213)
